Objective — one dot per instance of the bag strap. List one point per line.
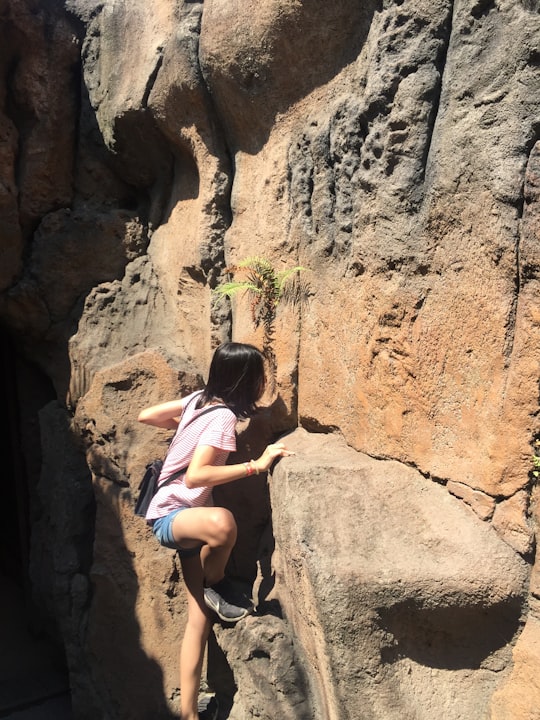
(183, 470)
(206, 409)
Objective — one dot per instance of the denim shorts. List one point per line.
(162, 529)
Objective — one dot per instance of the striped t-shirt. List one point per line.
(217, 429)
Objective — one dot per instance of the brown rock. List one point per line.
(482, 504)
(136, 620)
(519, 696)
(355, 140)
(392, 588)
(511, 522)
(270, 678)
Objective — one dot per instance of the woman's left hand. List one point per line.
(270, 454)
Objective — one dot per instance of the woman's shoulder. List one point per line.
(191, 398)
(219, 417)
(216, 410)
(220, 410)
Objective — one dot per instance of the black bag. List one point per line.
(149, 483)
(148, 487)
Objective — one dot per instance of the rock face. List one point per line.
(391, 149)
(390, 601)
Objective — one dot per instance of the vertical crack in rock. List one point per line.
(524, 269)
(219, 208)
(152, 78)
(440, 64)
(512, 315)
(367, 154)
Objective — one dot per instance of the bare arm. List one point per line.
(166, 415)
(201, 471)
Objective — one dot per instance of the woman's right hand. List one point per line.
(270, 454)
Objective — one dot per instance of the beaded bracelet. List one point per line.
(251, 468)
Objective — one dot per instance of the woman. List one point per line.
(181, 513)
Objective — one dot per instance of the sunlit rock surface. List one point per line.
(391, 149)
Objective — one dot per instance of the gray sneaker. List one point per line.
(207, 707)
(228, 604)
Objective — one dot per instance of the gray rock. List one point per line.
(395, 590)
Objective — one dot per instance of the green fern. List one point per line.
(536, 461)
(263, 284)
(266, 288)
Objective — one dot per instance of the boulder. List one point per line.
(395, 590)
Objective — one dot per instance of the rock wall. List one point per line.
(392, 149)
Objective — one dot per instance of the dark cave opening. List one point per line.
(33, 673)
(14, 530)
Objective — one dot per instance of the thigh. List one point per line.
(162, 529)
(209, 525)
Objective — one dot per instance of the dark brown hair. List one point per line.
(236, 377)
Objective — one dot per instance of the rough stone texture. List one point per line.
(39, 111)
(510, 521)
(270, 681)
(391, 148)
(61, 550)
(129, 570)
(519, 696)
(390, 601)
(482, 504)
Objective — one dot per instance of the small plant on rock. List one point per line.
(536, 460)
(266, 288)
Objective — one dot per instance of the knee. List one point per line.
(223, 527)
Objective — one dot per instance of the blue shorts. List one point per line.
(162, 529)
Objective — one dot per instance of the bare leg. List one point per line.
(216, 528)
(195, 638)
